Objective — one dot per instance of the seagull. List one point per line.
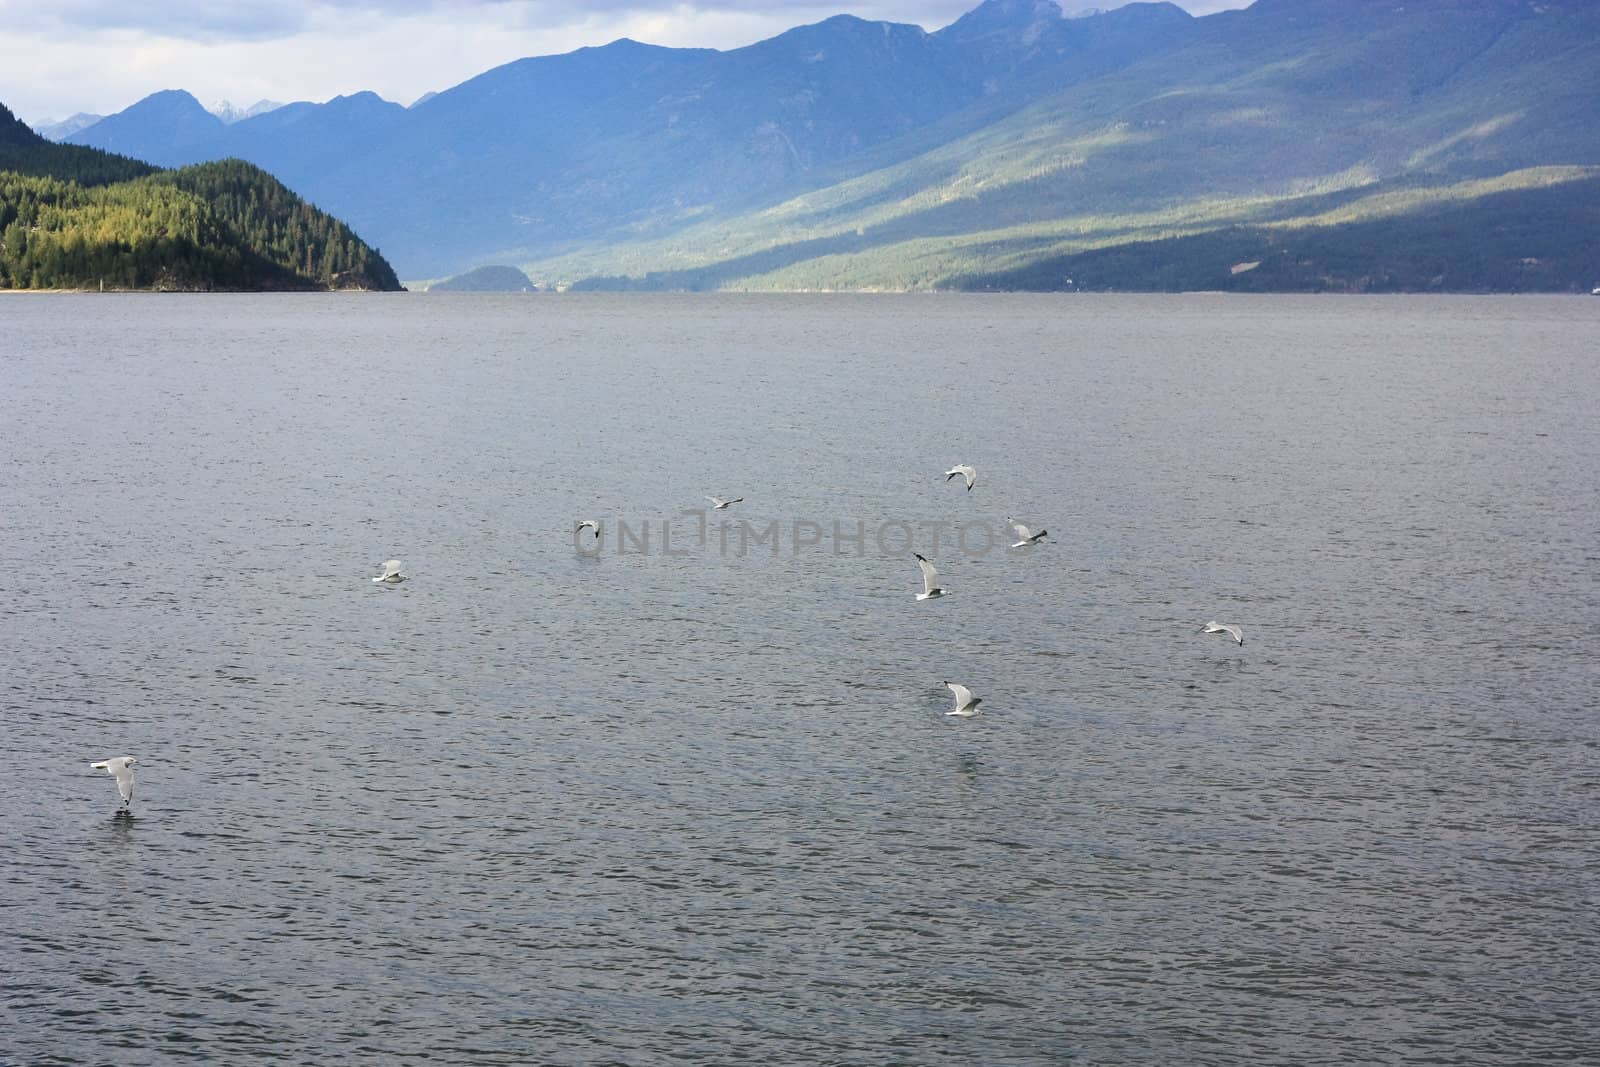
(391, 573)
(1222, 628)
(965, 471)
(1027, 535)
(717, 503)
(591, 524)
(930, 580)
(120, 768)
(966, 703)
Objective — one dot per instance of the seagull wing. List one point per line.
(119, 769)
(1022, 531)
(930, 577)
(1224, 628)
(964, 697)
(390, 567)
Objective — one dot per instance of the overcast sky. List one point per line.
(58, 57)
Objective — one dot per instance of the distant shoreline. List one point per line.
(656, 293)
(195, 292)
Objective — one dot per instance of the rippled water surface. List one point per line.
(697, 801)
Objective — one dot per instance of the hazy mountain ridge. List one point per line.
(64, 128)
(230, 113)
(630, 159)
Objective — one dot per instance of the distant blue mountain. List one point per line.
(60, 131)
(1014, 114)
(628, 135)
(299, 142)
(168, 129)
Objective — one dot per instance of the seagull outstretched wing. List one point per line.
(966, 703)
(1224, 628)
(1026, 536)
(391, 572)
(966, 472)
(120, 768)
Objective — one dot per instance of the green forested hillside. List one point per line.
(24, 152)
(77, 218)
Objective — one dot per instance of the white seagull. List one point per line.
(966, 703)
(590, 524)
(717, 503)
(1223, 628)
(391, 573)
(1027, 535)
(930, 580)
(120, 768)
(970, 474)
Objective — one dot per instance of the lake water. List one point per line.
(691, 796)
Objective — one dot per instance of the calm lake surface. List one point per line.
(692, 797)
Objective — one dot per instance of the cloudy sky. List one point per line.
(58, 57)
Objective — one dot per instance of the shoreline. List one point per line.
(806, 292)
(193, 292)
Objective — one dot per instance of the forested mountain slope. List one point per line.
(75, 218)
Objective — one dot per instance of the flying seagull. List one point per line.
(1223, 628)
(391, 573)
(120, 768)
(1027, 535)
(717, 503)
(591, 524)
(966, 703)
(930, 580)
(970, 474)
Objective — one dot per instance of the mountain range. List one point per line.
(1014, 147)
(225, 110)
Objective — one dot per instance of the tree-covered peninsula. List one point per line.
(79, 218)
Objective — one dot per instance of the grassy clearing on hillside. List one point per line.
(1032, 255)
